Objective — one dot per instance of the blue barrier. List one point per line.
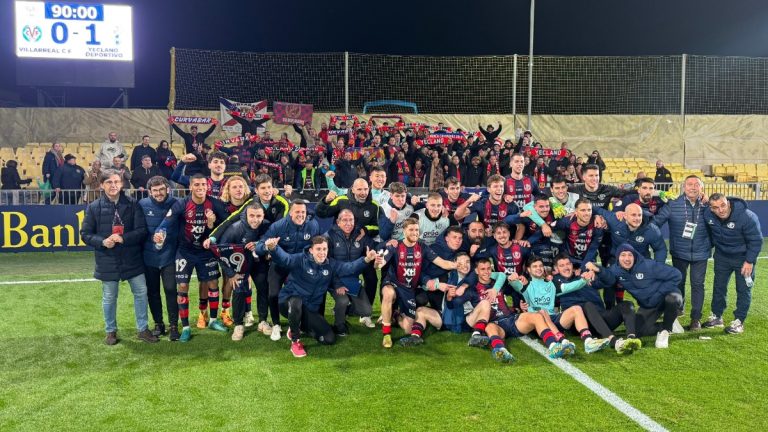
(386, 102)
(39, 228)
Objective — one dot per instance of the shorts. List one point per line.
(556, 320)
(205, 264)
(507, 324)
(405, 299)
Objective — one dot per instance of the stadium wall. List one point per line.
(695, 140)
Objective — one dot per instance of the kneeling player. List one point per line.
(401, 283)
(540, 295)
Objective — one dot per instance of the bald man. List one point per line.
(358, 201)
(634, 227)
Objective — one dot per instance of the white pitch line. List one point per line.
(612, 398)
(29, 282)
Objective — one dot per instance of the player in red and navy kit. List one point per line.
(195, 216)
(582, 238)
(644, 197)
(518, 187)
(401, 282)
(453, 197)
(217, 164)
(489, 210)
(539, 237)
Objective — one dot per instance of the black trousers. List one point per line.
(315, 323)
(698, 274)
(646, 318)
(603, 322)
(263, 305)
(167, 275)
(275, 279)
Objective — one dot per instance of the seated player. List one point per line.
(454, 312)
(401, 282)
(540, 294)
(500, 321)
(603, 321)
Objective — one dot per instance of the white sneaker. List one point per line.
(249, 321)
(736, 327)
(380, 320)
(662, 339)
(367, 322)
(276, 333)
(677, 328)
(265, 328)
(237, 334)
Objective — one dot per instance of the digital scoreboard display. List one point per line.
(74, 31)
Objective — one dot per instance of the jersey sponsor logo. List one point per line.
(639, 276)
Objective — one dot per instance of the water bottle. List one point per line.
(750, 282)
(162, 233)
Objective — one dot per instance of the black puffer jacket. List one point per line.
(123, 261)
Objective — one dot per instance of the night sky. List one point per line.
(584, 27)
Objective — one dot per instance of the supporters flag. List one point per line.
(292, 113)
(228, 124)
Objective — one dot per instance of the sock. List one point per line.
(183, 301)
(248, 301)
(585, 334)
(480, 326)
(612, 342)
(226, 303)
(631, 336)
(202, 304)
(386, 329)
(417, 329)
(559, 337)
(213, 301)
(548, 337)
(496, 342)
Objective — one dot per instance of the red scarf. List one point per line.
(492, 169)
(541, 176)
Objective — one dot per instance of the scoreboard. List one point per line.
(74, 31)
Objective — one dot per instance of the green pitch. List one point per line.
(57, 375)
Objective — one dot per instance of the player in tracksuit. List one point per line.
(312, 275)
(401, 283)
(653, 285)
(239, 258)
(601, 320)
(344, 246)
(294, 232)
(195, 217)
(582, 238)
(637, 230)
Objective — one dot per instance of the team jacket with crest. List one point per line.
(737, 236)
(645, 238)
(366, 212)
(293, 238)
(345, 248)
(309, 279)
(647, 280)
(154, 213)
(274, 211)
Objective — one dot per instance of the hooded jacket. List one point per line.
(293, 238)
(647, 280)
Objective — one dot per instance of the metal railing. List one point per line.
(747, 191)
